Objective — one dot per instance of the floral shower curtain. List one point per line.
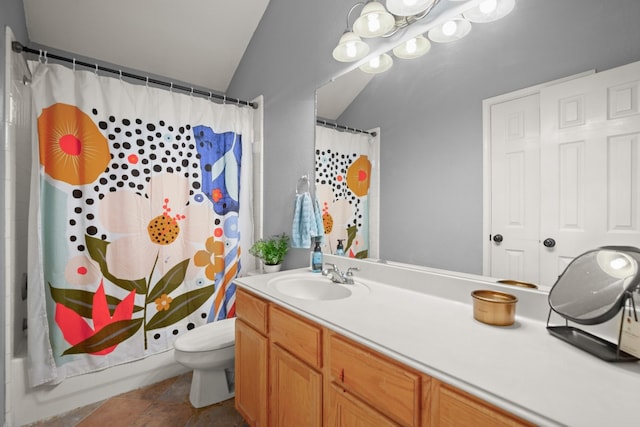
(139, 218)
(343, 178)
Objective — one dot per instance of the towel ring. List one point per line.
(303, 185)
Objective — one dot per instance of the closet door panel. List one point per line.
(590, 195)
(515, 136)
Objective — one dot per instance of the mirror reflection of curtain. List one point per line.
(139, 213)
(343, 167)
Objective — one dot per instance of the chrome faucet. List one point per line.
(337, 276)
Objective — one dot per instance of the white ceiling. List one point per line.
(200, 42)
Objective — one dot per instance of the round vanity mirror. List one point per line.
(593, 287)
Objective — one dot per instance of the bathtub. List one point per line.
(24, 405)
(27, 405)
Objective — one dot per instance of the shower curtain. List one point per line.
(140, 215)
(343, 176)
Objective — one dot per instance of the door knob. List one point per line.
(497, 238)
(549, 242)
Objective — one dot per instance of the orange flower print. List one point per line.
(358, 176)
(164, 302)
(212, 258)
(72, 149)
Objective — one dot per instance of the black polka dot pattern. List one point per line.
(139, 150)
(331, 169)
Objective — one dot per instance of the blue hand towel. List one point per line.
(304, 225)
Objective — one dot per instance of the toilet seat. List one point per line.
(212, 336)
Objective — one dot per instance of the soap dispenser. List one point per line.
(340, 248)
(316, 257)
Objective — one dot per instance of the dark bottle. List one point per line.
(316, 258)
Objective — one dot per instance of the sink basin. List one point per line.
(307, 287)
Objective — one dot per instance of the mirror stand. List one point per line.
(592, 344)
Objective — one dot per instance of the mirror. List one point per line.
(594, 285)
(592, 290)
(429, 111)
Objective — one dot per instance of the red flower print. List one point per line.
(75, 328)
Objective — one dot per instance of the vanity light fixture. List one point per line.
(377, 65)
(375, 21)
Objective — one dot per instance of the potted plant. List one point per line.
(271, 251)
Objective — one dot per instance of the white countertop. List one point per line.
(424, 319)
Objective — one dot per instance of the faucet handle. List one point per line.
(333, 266)
(326, 271)
(350, 271)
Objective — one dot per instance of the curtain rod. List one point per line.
(19, 48)
(341, 127)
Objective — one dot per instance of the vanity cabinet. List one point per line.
(453, 407)
(374, 379)
(346, 410)
(251, 360)
(295, 362)
(291, 371)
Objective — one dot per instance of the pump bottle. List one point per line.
(316, 258)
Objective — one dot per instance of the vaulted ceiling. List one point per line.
(200, 42)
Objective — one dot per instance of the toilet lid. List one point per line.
(212, 336)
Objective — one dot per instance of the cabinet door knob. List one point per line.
(549, 242)
(497, 238)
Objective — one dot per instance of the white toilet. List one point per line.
(210, 351)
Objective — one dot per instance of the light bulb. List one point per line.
(411, 46)
(488, 6)
(618, 263)
(373, 22)
(449, 28)
(351, 49)
(375, 62)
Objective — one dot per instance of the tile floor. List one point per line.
(165, 404)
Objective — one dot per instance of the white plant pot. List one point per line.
(272, 268)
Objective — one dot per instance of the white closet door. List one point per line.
(590, 156)
(515, 165)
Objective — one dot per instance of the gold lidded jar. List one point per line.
(494, 307)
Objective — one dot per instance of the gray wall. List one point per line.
(429, 109)
(11, 14)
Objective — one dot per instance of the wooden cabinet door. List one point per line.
(251, 374)
(345, 410)
(383, 384)
(296, 391)
(453, 407)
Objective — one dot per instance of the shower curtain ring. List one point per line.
(46, 58)
(224, 99)
(120, 72)
(40, 56)
(210, 95)
(171, 88)
(74, 64)
(191, 92)
(96, 72)
(147, 82)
